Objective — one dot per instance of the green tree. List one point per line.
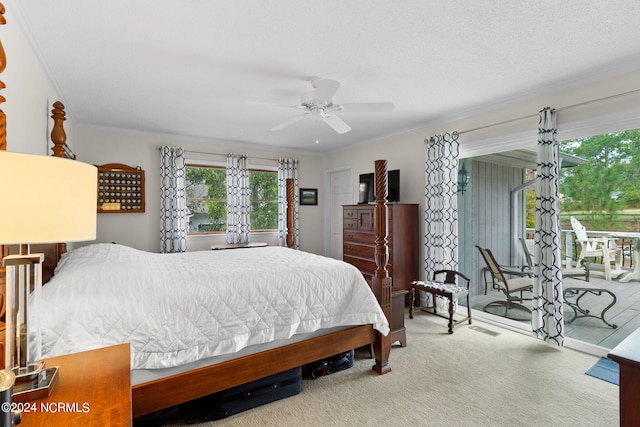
(206, 191)
(263, 186)
(593, 187)
(207, 194)
(630, 168)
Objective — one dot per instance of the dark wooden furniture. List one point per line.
(627, 354)
(94, 387)
(358, 247)
(398, 331)
(120, 188)
(454, 286)
(359, 241)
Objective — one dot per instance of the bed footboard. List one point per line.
(174, 390)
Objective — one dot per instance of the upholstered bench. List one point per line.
(447, 289)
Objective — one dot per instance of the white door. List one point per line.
(340, 192)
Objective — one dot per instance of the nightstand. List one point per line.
(93, 389)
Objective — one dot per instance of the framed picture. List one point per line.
(308, 196)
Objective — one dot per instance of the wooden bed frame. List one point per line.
(163, 393)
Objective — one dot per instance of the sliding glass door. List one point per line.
(599, 187)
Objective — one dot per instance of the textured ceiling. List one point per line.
(228, 70)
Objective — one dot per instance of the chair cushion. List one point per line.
(443, 287)
(520, 283)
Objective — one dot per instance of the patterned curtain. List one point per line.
(238, 204)
(173, 208)
(287, 168)
(547, 319)
(441, 204)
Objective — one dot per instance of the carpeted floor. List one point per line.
(480, 375)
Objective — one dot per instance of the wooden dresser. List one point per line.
(358, 241)
(358, 249)
(627, 354)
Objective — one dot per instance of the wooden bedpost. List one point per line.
(3, 144)
(381, 282)
(290, 212)
(59, 139)
(3, 64)
(58, 135)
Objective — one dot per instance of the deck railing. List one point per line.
(571, 248)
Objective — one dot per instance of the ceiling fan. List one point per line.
(318, 103)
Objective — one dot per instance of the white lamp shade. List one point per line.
(46, 199)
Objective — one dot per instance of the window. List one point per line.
(206, 188)
(263, 186)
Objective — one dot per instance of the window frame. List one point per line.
(198, 163)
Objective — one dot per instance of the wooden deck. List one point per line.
(625, 313)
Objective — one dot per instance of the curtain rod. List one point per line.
(225, 155)
(556, 109)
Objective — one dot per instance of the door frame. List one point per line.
(328, 199)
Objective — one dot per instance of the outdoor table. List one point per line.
(634, 274)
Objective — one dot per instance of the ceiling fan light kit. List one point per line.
(318, 103)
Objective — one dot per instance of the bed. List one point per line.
(155, 388)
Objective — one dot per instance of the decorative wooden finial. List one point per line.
(58, 135)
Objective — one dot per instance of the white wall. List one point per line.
(142, 230)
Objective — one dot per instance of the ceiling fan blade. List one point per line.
(325, 89)
(271, 104)
(287, 123)
(336, 123)
(367, 107)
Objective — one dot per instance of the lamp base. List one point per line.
(37, 388)
(29, 372)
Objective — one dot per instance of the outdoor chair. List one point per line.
(601, 247)
(580, 270)
(513, 288)
(525, 270)
(454, 286)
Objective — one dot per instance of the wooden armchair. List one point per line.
(602, 247)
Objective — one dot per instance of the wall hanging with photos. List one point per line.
(120, 188)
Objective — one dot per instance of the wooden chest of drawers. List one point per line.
(358, 241)
(358, 249)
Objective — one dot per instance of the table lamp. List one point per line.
(44, 200)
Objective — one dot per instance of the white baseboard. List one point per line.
(525, 328)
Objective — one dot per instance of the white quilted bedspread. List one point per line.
(178, 308)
